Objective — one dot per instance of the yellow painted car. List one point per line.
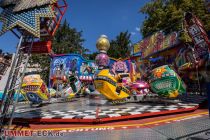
(107, 84)
(34, 89)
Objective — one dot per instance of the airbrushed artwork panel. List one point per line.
(75, 64)
(119, 66)
(72, 64)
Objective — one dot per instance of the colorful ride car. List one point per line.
(34, 89)
(118, 86)
(73, 88)
(165, 82)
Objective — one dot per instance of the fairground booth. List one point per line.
(160, 49)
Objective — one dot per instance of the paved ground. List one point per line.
(187, 126)
(95, 110)
(101, 103)
(80, 104)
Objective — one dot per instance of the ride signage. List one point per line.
(155, 43)
(199, 36)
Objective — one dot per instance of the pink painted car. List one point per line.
(139, 86)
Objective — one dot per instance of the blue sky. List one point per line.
(96, 17)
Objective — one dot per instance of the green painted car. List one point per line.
(165, 82)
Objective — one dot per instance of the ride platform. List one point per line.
(95, 110)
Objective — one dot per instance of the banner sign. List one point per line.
(198, 34)
(136, 48)
(156, 43)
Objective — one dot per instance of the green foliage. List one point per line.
(42, 63)
(167, 15)
(92, 56)
(120, 47)
(66, 40)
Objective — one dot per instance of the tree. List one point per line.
(167, 15)
(42, 63)
(92, 56)
(120, 47)
(66, 40)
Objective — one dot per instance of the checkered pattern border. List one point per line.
(101, 113)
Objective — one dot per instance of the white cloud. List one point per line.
(133, 33)
(138, 29)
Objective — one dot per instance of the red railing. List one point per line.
(49, 28)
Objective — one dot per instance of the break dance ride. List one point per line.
(117, 81)
(71, 75)
(163, 80)
(120, 84)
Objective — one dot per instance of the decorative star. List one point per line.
(20, 5)
(4, 3)
(27, 4)
(28, 20)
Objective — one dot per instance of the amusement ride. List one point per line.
(150, 89)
